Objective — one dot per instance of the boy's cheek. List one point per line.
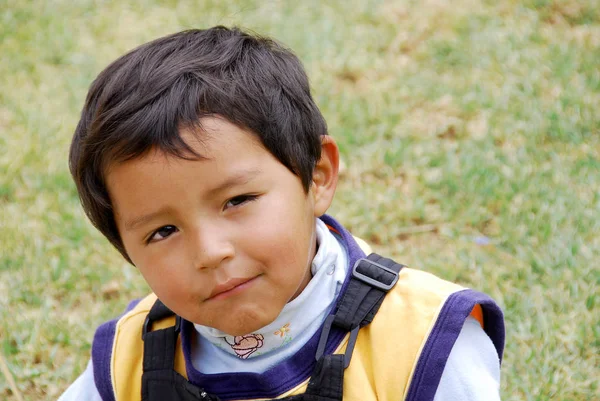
(156, 264)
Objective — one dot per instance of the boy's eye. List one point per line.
(238, 200)
(162, 233)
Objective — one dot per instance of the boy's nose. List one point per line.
(211, 247)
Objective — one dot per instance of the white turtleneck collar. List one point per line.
(213, 351)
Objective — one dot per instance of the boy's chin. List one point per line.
(246, 329)
(241, 325)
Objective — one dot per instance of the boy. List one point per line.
(203, 159)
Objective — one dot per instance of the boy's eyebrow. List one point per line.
(239, 178)
(140, 220)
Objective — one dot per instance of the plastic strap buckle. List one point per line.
(147, 327)
(325, 336)
(370, 280)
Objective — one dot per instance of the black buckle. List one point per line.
(325, 335)
(371, 281)
(147, 327)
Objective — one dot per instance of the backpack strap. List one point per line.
(371, 279)
(160, 381)
(159, 345)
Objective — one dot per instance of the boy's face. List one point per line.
(225, 241)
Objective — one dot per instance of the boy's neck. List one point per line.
(308, 273)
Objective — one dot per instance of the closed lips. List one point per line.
(228, 286)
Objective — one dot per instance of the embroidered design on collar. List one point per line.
(244, 346)
(283, 330)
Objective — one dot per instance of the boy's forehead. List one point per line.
(234, 155)
(213, 134)
(208, 138)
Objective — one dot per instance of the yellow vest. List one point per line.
(392, 354)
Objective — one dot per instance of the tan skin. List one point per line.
(225, 241)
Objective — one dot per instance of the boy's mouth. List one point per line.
(230, 287)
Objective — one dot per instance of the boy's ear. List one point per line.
(325, 175)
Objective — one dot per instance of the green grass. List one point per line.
(456, 120)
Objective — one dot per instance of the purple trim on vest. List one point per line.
(101, 355)
(101, 351)
(457, 308)
(285, 375)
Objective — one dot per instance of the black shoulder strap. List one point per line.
(371, 279)
(159, 345)
(160, 381)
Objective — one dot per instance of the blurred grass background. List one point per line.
(469, 129)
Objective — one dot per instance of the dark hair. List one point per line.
(143, 99)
